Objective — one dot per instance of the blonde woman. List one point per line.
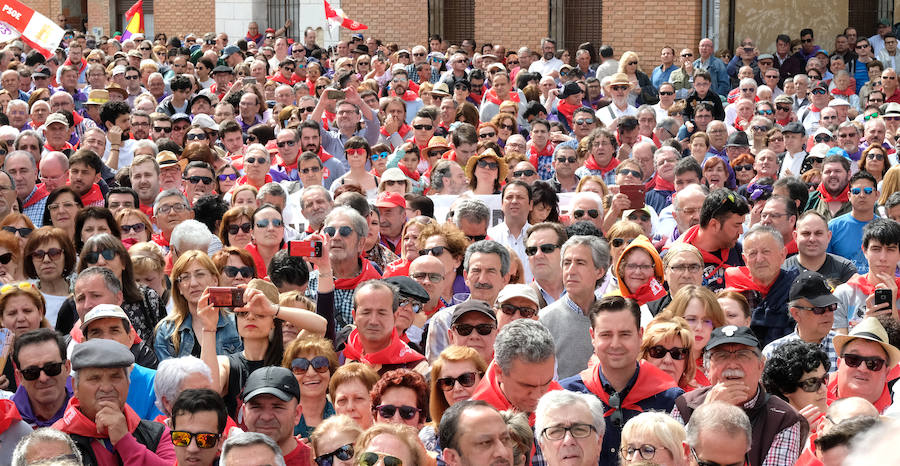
(642, 90)
(454, 376)
(699, 307)
(667, 344)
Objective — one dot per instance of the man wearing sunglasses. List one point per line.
(847, 229)
(272, 407)
(198, 180)
(474, 325)
(101, 384)
(198, 421)
(812, 306)
(331, 168)
(866, 357)
(819, 98)
(734, 363)
(43, 371)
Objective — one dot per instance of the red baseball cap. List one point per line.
(268, 30)
(386, 199)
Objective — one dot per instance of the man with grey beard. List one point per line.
(734, 362)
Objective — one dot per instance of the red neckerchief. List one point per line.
(159, 239)
(409, 173)
(245, 180)
(491, 96)
(808, 456)
(74, 422)
(367, 272)
(397, 352)
(650, 291)
(81, 66)
(94, 197)
(66, 146)
(846, 92)
(861, 283)
(255, 38)
(477, 97)
(279, 162)
(449, 155)
(843, 197)
(592, 164)
(489, 390)
(881, 403)
(650, 381)
(280, 78)
(440, 305)
(147, 210)
(567, 110)
(791, 248)
(814, 109)
(402, 131)
(407, 96)
(738, 126)
(690, 237)
(661, 184)
(785, 121)
(534, 154)
(699, 377)
(738, 279)
(39, 193)
(397, 268)
(9, 415)
(258, 262)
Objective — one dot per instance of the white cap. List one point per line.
(518, 290)
(104, 311)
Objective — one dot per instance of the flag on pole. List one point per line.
(134, 20)
(36, 30)
(338, 18)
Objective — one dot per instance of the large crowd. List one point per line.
(257, 251)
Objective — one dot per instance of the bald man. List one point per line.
(429, 272)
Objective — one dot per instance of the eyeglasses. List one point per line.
(425, 127)
(343, 453)
(284, 144)
(524, 173)
(873, 363)
(646, 451)
(198, 179)
(430, 276)
(132, 77)
(344, 231)
(545, 248)
(875, 156)
(197, 137)
(659, 352)
(254, 160)
(54, 253)
(229, 176)
(628, 172)
(165, 209)
(619, 242)
(819, 310)
(812, 384)
(52, 369)
(525, 312)
(639, 267)
(593, 213)
(64, 205)
(22, 232)
(571, 159)
(466, 329)
(371, 458)
(578, 430)
(319, 364)
(264, 223)
(856, 191)
(486, 135)
(388, 411)
(93, 257)
(466, 379)
(681, 268)
(205, 440)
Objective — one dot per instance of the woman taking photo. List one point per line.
(454, 376)
(485, 172)
(313, 360)
(50, 259)
(61, 208)
(359, 155)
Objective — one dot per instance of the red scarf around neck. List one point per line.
(882, 403)
(843, 197)
(534, 154)
(660, 184)
(402, 131)
(650, 381)
(846, 92)
(94, 197)
(861, 283)
(74, 422)
(414, 175)
(407, 96)
(491, 96)
(9, 414)
(738, 279)
(39, 193)
(567, 110)
(650, 291)
(367, 272)
(489, 390)
(591, 164)
(397, 352)
(690, 237)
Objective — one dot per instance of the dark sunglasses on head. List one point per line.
(873, 363)
(593, 213)
(545, 248)
(466, 329)
(343, 231)
(231, 271)
(318, 363)
(659, 352)
(54, 253)
(812, 384)
(388, 411)
(245, 227)
(22, 232)
(524, 312)
(230, 177)
(343, 453)
(93, 257)
(52, 369)
(466, 379)
(205, 440)
(198, 179)
(524, 173)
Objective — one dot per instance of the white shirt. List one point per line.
(546, 67)
(611, 112)
(501, 234)
(792, 162)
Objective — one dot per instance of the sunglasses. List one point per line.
(52, 369)
(822, 138)
(643, 218)
(765, 112)
(54, 253)
(425, 127)
(264, 223)
(659, 352)
(594, 213)
(545, 248)
(812, 384)
(259, 160)
(318, 363)
(633, 173)
(869, 117)
(432, 277)
(857, 191)
(571, 159)
(231, 271)
(198, 179)
(619, 242)
(309, 170)
(370, 459)
(466, 329)
(284, 144)
(524, 312)
(388, 411)
(307, 109)
(22, 232)
(197, 137)
(524, 173)
(245, 227)
(359, 151)
(783, 108)
(205, 440)
(619, 87)
(687, 55)
(230, 177)
(93, 257)
(873, 363)
(875, 156)
(466, 379)
(343, 453)
(512, 127)
(818, 91)
(380, 155)
(344, 231)
(486, 135)
(739, 168)
(435, 251)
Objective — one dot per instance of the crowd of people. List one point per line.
(691, 265)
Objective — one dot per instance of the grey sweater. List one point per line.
(571, 336)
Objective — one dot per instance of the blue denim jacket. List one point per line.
(227, 339)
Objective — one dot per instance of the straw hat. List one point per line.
(869, 329)
(470, 165)
(619, 79)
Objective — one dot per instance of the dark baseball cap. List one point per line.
(409, 288)
(272, 380)
(472, 305)
(811, 286)
(794, 127)
(732, 334)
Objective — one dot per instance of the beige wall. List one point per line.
(763, 20)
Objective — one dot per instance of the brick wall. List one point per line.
(98, 12)
(404, 22)
(180, 17)
(661, 22)
(513, 23)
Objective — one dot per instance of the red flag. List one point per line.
(37, 30)
(334, 16)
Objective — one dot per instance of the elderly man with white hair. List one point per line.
(192, 235)
(176, 375)
(569, 427)
(664, 160)
(44, 444)
(587, 206)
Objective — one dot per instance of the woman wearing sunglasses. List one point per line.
(667, 345)
(22, 309)
(359, 154)
(446, 242)
(134, 225)
(62, 206)
(454, 375)
(267, 237)
(235, 266)
(92, 221)
(226, 178)
(700, 309)
(875, 161)
(390, 445)
(400, 397)
(10, 258)
(50, 259)
(313, 360)
(797, 372)
(334, 441)
(485, 172)
(743, 168)
(19, 225)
